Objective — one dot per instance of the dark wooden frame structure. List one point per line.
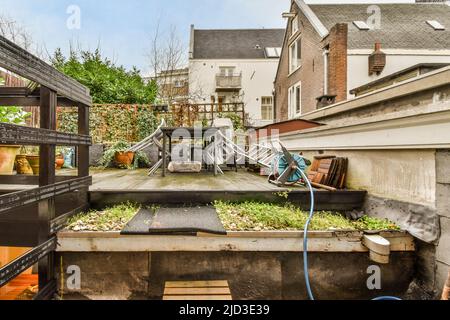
(35, 210)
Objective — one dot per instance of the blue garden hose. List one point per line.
(387, 298)
(305, 245)
(305, 236)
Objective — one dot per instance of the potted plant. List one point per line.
(60, 159)
(118, 156)
(22, 164)
(33, 159)
(8, 153)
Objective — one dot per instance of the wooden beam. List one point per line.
(19, 199)
(83, 151)
(21, 135)
(32, 101)
(17, 60)
(26, 261)
(29, 180)
(47, 174)
(15, 91)
(260, 242)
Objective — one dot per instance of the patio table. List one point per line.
(207, 136)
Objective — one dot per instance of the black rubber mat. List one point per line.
(175, 221)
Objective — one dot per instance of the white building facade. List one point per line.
(236, 66)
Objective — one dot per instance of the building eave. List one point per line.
(312, 18)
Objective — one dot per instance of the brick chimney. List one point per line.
(377, 60)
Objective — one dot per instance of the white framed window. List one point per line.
(294, 25)
(266, 108)
(295, 100)
(227, 71)
(179, 84)
(295, 55)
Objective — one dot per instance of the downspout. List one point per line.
(325, 71)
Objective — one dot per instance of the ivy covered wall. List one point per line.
(112, 123)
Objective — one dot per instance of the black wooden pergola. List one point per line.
(31, 217)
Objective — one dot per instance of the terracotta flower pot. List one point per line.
(59, 162)
(22, 165)
(34, 163)
(124, 158)
(7, 158)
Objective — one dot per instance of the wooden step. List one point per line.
(197, 290)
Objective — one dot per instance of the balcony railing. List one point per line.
(229, 82)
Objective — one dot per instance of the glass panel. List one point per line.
(298, 100)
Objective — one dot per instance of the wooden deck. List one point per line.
(114, 186)
(137, 180)
(117, 186)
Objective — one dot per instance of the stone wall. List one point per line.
(443, 208)
(251, 275)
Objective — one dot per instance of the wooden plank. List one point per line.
(20, 135)
(114, 243)
(196, 291)
(26, 261)
(18, 199)
(83, 151)
(47, 174)
(198, 298)
(32, 101)
(196, 284)
(30, 180)
(23, 63)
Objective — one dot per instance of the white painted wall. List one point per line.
(257, 81)
(397, 60)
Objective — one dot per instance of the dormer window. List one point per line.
(435, 25)
(361, 25)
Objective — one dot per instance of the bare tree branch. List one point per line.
(13, 31)
(167, 56)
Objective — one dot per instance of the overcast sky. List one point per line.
(123, 27)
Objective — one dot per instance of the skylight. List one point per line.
(361, 25)
(273, 52)
(435, 25)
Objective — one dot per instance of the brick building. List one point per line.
(329, 50)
